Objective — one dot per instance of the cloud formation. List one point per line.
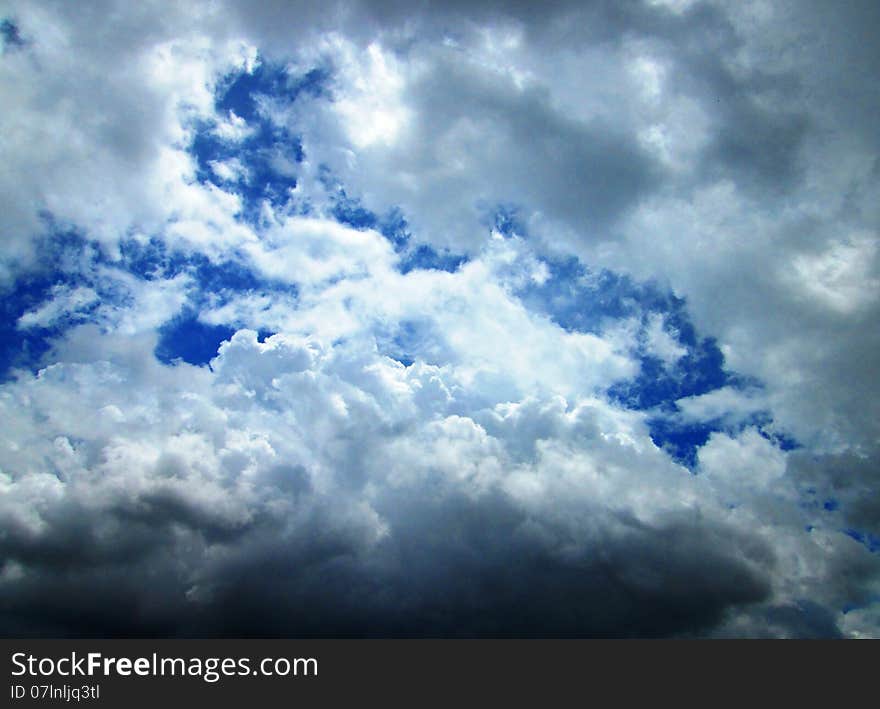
(473, 320)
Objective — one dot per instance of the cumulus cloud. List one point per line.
(351, 482)
(477, 320)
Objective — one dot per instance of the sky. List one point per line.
(440, 319)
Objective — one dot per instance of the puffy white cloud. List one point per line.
(303, 457)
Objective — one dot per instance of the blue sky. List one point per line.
(472, 322)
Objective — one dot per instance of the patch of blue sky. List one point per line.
(681, 441)
(781, 440)
(583, 300)
(240, 91)
(659, 384)
(504, 218)
(23, 348)
(262, 163)
(345, 209)
(393, 226)
(424, 257)
(657, 389)
(831, 506)
(821, 503)
(578, 299)
(350, 211)
(151, 260)
(870, 541)
(186, 337)
(63, 260)
(67, 261)
(231, 276)
(10, 37)
(263, 167)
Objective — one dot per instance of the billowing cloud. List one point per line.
(476, 320)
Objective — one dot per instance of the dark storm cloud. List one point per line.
(757, 146)
(455, 567)
(802, 619)
(589, 172)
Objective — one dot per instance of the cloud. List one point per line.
(65, 300)
(341, 469)
(512, 320)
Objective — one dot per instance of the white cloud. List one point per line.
(727, 403)
(369, 100)
(234, 128)
(843, 277)
(66, 301)
(661, 342)
(229, 170)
